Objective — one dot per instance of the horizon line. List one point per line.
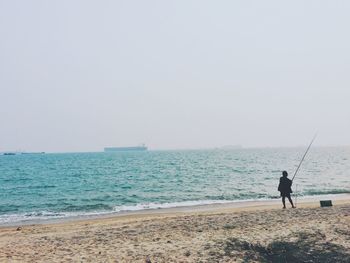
(224, 148)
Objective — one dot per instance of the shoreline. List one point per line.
(236, 205)
(254, 232)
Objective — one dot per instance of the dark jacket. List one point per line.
(285, 186)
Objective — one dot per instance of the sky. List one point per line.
(82, 75)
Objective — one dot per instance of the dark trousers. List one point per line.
(284, 195)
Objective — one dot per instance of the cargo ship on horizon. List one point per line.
(124, 149)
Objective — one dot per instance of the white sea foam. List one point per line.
(22, 217)
(148, 206)
(47, 215)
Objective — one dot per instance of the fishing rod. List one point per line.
(308, 148)
(296, 195)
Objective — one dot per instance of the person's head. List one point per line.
(284, 173)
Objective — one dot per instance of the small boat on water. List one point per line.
(9, 153)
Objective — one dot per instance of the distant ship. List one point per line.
(124, 149)
(33, 152)
(18, 153)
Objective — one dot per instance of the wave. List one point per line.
(87, 207)
(326, 192)
(72, 212)
(43, 216)
(149, 206)
(23, 217)
(40, 216)
(152, 206)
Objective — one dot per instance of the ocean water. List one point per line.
(35, 187)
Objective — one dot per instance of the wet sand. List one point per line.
(250, 232)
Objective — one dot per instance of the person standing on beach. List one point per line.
(285, 187)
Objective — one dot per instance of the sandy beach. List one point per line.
(256, 232)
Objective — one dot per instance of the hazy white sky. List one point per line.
(82, 75)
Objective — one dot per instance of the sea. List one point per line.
(36, 187)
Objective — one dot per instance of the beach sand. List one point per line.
(256, 232)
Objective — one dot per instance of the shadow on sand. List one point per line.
(301, 247)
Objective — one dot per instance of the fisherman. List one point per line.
(285, 187)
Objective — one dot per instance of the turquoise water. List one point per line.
(61, 185)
